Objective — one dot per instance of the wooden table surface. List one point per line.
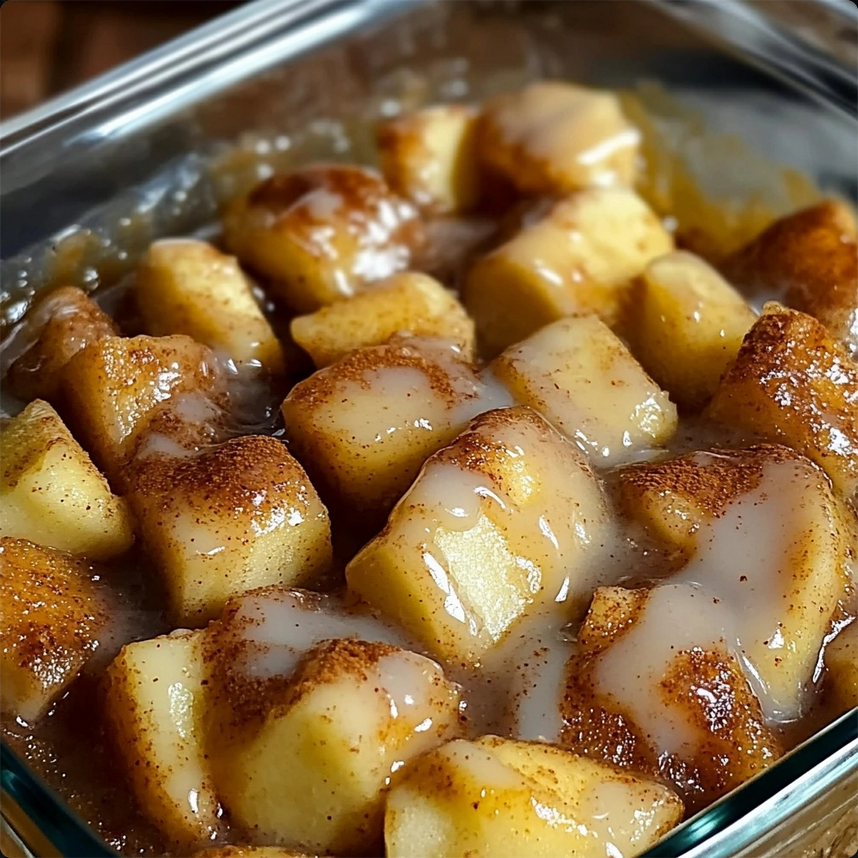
(47, 46)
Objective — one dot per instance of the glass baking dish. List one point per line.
(152, 148)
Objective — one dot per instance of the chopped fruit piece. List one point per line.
(689, 325)
(403, 303)
(189, 287)
(430, 157)
(500, 797)
(311, 772)
(763, 533)
(238, 516)
(792, 383)
(364, 426)
(496, 526)
(155, 693)
(322, 233)
(655, 690)
(51, 617)
(580, 257)
(60, 324)
(810, 260)
(555, 138)
(582, 378)
(52, 494)
(114, 388)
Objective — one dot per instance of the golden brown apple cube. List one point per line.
(239, 516)
(116, 385)
(155, 698)
(408, 302)
(51, 618)
(761, 531)
(364, 426)
(51, 492)
(429, 156)
(580, 257)
(312, 771)
(810, 260)
(497, 796)
(188, 287)
(323, 232)
(688, 326)
(60, 324)
(579, 375)
(652, 690)
(495, 527)
(554, 138)
(794, 384)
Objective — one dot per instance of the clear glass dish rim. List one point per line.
(73, 117)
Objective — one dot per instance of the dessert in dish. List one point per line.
(329, 543)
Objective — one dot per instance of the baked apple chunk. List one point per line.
(51, 492)
(555, 138)
(408, 302)
(429, 156)
(322, 233)
(689, 325)
(60, 324)
(313, 770)
(238, 516)
(763, 533)
(51, 618)
(155, 699)
(115, 387)
(497, 796)
(364, 426)
(189, 287)
(581, 377)
(496, 526)
(580, 257)
(792, 383)
(654, 689)
(810, 258)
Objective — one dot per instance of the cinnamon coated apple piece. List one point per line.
(311, 769)
(793, 383)
(185, 286)
(60, 324)
(429, 156)
(810, 261)
(497, 796)
(155, 693)
(554, 138)
(408, 302)
(52, 615)
(579, 375)
(580, 257)
(115, 387)
(237, 516)
(322, 233)
(654, 690)
(495, 527)
(763, 533)
(52, 494)
(687, 325)
(363, 426)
